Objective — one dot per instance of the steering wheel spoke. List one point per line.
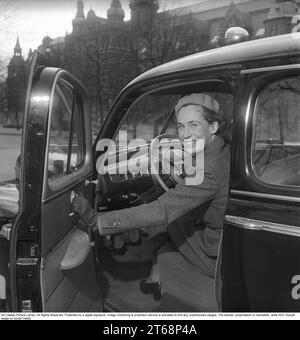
(167, 161)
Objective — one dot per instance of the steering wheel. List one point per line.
(167, 159)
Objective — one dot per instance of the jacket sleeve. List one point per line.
(169, 207)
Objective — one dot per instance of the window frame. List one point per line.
(259, 80)
(57, 92)
(171, 113)
(53, 188)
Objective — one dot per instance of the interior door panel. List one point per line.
(76, 289)
(65, 289)
(61, 288)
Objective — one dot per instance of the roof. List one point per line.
(211, 6)
(283, 9)
(247, 51)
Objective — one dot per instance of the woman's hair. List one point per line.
(224, 127)
(18, 162)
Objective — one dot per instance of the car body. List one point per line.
(257, 84)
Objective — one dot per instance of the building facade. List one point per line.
(14, 89)
(106, 53)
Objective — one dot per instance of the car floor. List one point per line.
(120, 277)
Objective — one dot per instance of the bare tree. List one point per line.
(168, 38)
(102, 68)
(2, 71)
(7, 16)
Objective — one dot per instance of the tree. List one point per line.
(102, 66)
(170, 37)
(16, 94)
(105, 56)
(7, 15)
(2, 71)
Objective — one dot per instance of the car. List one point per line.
(50, 264)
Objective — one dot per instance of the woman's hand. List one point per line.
(83, 208)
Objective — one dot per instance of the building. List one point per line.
(106, 53)
(3, 104)
(15, 88)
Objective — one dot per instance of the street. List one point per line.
(10, 145)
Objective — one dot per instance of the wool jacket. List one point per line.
(193, 214)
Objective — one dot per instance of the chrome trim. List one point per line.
(256, 225)
(27, 261)
(267, 196)
(273, 68)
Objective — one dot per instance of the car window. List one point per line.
(276, 139)
(147, 116)
(154, 113)
(66, 147)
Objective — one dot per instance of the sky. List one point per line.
(32, 20)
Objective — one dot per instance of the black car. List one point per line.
(49, 263)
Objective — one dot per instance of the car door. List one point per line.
(52, 263)
(260, 258)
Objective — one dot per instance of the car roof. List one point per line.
(252, 50)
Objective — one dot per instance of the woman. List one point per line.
(190, 215)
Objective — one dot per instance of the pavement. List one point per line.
(10, 147)
(10, 131)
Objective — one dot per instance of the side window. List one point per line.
(147, 116)
(66, 142)
(276, 138)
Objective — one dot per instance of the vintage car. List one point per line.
(48, 263)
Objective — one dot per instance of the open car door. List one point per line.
(52, 266)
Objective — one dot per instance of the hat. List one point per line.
(202, 99)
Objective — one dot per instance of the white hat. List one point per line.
(202, 99)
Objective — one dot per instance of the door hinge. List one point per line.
(27, 268)
(26, 306)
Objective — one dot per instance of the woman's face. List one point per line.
(192, 125)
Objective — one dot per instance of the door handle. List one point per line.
(75, 218)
